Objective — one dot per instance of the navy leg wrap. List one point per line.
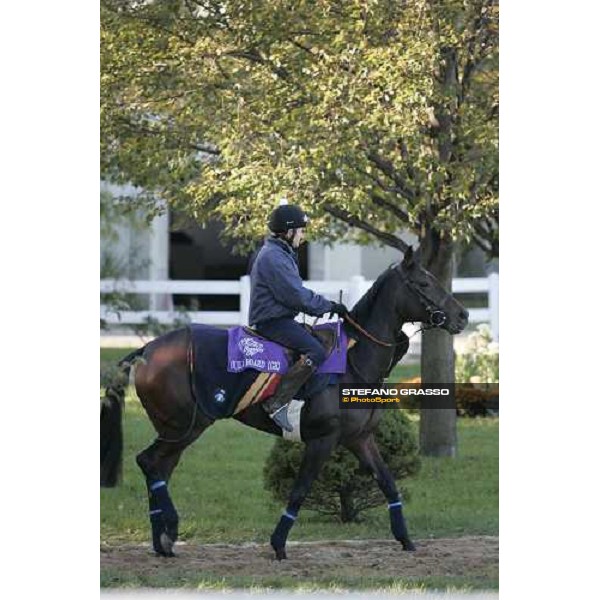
(160, 495)
(163, 516)
(279, 536)
(397, 523)
(157, 524)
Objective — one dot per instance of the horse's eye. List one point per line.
(422, 284)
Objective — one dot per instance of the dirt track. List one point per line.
(467, 557)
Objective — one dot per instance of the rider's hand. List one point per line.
(337, 308)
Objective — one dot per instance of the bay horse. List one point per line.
(405, 292)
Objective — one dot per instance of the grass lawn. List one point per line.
(218, 490)
(110, 356)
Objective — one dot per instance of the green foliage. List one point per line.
(344, 490)
(480, 362)
(381, 115)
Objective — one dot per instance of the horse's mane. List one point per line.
(364, 306)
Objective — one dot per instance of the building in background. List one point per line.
(173, 247)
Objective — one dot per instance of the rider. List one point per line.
(277, 296)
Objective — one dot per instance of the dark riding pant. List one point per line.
(290, 333)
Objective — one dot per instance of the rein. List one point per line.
(354, 324)
(385, 344)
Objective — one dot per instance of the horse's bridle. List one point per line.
(437, 317)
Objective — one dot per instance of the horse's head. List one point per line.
(425, 300)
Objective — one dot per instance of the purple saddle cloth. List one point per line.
(247, 351)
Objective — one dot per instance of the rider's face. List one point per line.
(297, 237)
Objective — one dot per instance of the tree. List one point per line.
(382, 116)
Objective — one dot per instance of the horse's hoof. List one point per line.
(408, 546)
(160, 551)
(166, 544)
(280, 553)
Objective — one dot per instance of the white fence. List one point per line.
(352, 290)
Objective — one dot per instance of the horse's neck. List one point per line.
(372, 360)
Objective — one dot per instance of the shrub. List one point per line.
(479, 363)
(472, 399)
(343, 489)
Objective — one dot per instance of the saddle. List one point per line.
(248, 349)
(222, 392)
(328, 336)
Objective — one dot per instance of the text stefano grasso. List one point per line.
(441, 391)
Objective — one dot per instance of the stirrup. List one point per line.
(280, 417)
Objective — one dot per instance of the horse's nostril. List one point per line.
(464, 313)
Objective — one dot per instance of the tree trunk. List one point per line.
(348, 512)
(437, 430)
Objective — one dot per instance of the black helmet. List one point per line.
(287, 216)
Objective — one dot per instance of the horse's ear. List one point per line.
(409, 259)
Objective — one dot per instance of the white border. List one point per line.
(49, 248)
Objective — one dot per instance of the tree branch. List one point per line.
(254, 56)
(387, 238)
(486, 239)
(304, 48)
(395, 210)
(385, 188)
(487, 249)
(214, 151)
(378, 200)
(405, 158)
(388, 169)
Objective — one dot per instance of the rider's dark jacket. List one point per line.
(276, 286)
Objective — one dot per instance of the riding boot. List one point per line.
(276, 406)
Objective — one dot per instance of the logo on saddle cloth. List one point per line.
(246, 351)
(250, 346)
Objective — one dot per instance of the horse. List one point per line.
(404, 292)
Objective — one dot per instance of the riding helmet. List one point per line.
(287, 216)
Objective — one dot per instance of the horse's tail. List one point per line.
(111, 416)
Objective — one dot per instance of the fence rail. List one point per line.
(352, 290)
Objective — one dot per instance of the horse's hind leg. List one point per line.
(367, 452)
(162, 385)
(158, 462)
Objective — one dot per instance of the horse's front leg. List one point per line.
(367, 452)
(316, 453)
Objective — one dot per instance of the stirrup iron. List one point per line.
(280, 417)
